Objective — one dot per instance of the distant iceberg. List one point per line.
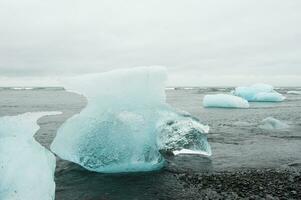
(26, 168)
(225, 101)
(259, 92)
(271, 123)
(124, 123)
(294, 92)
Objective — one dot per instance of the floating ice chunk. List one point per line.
(294, 92)
(272, 123)
(26, 168)
(225, 101)
(118, 130)
(269, 96)
(261, 87)
(259, 92)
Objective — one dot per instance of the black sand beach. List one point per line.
(244, 184)
(247, 162)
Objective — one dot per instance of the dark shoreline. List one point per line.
(243, 184)
(248, 184)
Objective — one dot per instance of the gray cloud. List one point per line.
(201, 42)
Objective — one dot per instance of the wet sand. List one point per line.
(243, 184)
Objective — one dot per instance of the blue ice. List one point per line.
(224, 101)
(121, 128)
(26, 167)
(259, 92)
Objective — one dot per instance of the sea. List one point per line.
(236, 136)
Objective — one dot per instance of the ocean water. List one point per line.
(235, 136)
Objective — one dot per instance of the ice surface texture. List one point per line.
(120, 129)
(225, 101)
(259, 92)
(181, 133)
(26, 168)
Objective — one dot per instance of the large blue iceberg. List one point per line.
(224, 101)
(26, 168)
(259, 92)
(126, 123)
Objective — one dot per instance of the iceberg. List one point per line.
(259, 92)
(26, 168)
(271, 123)
(181, 133)
(121, 128)
(224, 101)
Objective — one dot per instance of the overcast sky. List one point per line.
(201, 42)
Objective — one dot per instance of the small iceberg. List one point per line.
(26, 167)
(180, 133)
(259, 92)
(271, 123)
(225, 101)
(294, 92)
(126, 123)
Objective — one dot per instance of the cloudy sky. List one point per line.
(201, 42)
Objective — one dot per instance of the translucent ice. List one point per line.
(259, 92)
(269, 96)
(120, 129)
(272, 123)
(26, 168)
(225, 101)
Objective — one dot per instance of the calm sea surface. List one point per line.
(236, 139)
